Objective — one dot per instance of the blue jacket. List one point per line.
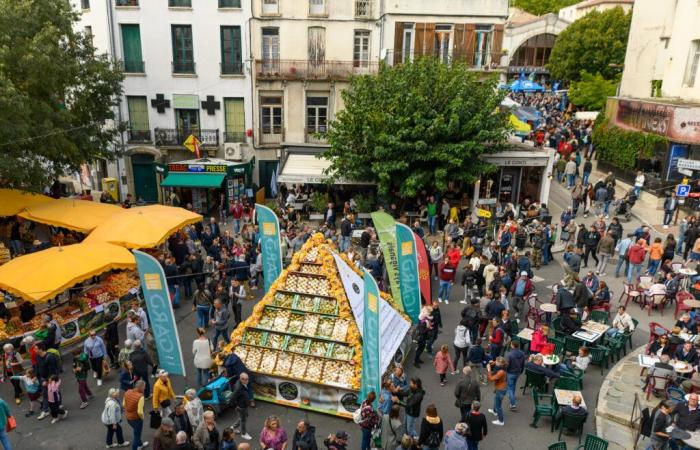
(94, 347)
(516, 361)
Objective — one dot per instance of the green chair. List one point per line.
(535, 381)
(567, 383)
(572, 345)
(572, 423)
(593, 442)
(514, 328)
(545, 406)
(599, 356)
(628, 334)
(556, 324)
(600, 316)
(574, 373)
(558, 344)
(615, 345)
(557, 446)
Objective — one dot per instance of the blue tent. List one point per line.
(522, 84)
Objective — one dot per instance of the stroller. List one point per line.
(624, 206)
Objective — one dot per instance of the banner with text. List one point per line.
(408, 271)
(269, 226)
(423, 269)
(386, 230)
(370, 339)
(160, 313)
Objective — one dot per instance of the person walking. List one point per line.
(133, 411)
(391, 428)
(272, 435)
(638, 183)
(431, 429)
(201, 303)
(164, 437)
(149, 343)
(457, 439)
(219, 319)
(33, 388)
(127, 377)
(656, 252)
(590, 242)
(181, 420)
(201, 349)
(432, 215)
(442, 362)
(140, 360)
(515, 360)
(495, 371)
(237, 295)
(163, 394)
(462, 341)
(12, 366)
(436, 257)
(478, 428)
(194, 408)
(5, 415)
(466, 392)
(369, 419)
(304, 436)
(240, 399)
(447, 278)
(112, 417)
(111, 339)
(606, 248)
(207, 436)
(81, 367)
(55, 399)
(47, 367)
(636, 254)
(96, 350)
(411, 399)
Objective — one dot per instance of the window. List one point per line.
(127, 2)
(271, 49)
(271, 115)
(363, 8)
(139, 131)
(183, 54)
(131, 45)
(443, 40)
(270, 7)
(180, 3)
(692, 66)
(317, 45)
(229, 3)
(360, 54)
(85, 4)
(316, 114)
(231, 54)
(234, 116)
(482, 49)
(88, 33)
(407, 43)
(317, 7)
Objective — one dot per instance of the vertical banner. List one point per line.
(160, 313)
(408, 271)
(269, 243)
(370, 339)
(423, 269)
(386, 230)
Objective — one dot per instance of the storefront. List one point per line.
(206, 182)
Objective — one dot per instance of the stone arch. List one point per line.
(153, 151)
(547, 24)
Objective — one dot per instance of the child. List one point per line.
(54, 391)
(33, 388)
(81, 366)
(227, 442)
(477, 357)
(442, 362)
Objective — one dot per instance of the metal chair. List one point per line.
(681, 296)
(629, 293)
(572, 345)
(600, 316)
(573, 423)
(557, 446)
(558, 344)
(628, 334)
(615, 344)
(574, 373)
(593, 442)
(656, 330)
(657, 383)
(675, 395)
(656, 301)
(545, 406)
(535, 381)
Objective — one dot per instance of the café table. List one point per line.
(548, 307)
(525, 333)
(565, 397)
(685, 281)
(694, 304)
(595, 327)
(550, 360)
(647, 361)
(693, 441)
(587, 336)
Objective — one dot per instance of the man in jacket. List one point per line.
(564, 299)
(606, 248)
(621, 249)
(304, 437)
(572, 258)
(457, 439)
(467, 392)
(47, 365)
(133, 411)
(241, 400)
(636, 254)
(345, 233)
(181, 420)
(219, 319)
(590, 241)
(515, 360)
(476, 422)
(411, 400)
(140, 360)
(670, 207)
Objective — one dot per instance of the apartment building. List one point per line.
(186, 74)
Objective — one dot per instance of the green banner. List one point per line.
(408, 271)
(386, 230)
(269, 244)
(371, 378)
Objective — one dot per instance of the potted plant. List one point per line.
(318, 201)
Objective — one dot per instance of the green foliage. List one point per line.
(592, 91)
(318, 201)
(623, 148)
(591, 44)
(365, 203)
(417, 126)
(539, 7)
(55, 94)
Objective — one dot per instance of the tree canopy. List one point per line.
(417, 126)
(539, 7)
(56, 95)
(592, 91)
(591, 44)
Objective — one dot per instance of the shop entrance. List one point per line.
(145, 185)
(267, 168)
(187, 122)
(509, 186)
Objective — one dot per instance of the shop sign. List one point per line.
(197, 168)
(676, 153)
(485, 213)
(237, 170)
(536, 161)
(688, 164)
(486, 201)
(686, 125)
(644, 116)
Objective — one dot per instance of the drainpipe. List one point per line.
(381, 28)
(113, 51)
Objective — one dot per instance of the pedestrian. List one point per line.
(55, 399)
(337, 441)
(432, 216)
(33, 388)
(181, 421)
(636, 255)
(477, 359)
(96, 350)
(515, 360)
(219, 320)
(478, 428)
(638, 183)
(163, 394)
(466, 392)
(436, 258)
(207, 436)
(442, 362)
(164, 437)
(606, 248)
(457, 439)
(272, 435)
(193, 408)
(240, 399)
(140, 360)
(111, 339)
(431, 429)
(227, 441)
(369, 419)
(12, 366)
(237, 294)
(411, 399)
(201, 349)
(47, 367)
(656, 251)
(590, 241)
(112, 417)
(5, 416)
(150, 344)
(496, 372)
(201, 301)
(462, 341)
(621, 249)
(448, 270)
(304, 436)
(133, 411)
(127, 377)
(81, 367)
(391, 428)
(124, 352)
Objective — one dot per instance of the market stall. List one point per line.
(73, 214)
(13, 201)
(302, 340)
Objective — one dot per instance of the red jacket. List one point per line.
(447, 272)
(636, 254)
(538, 341)
(454, 254)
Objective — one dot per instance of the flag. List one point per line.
(269, 243)
(408, 271)
(386, 230)
(423, 269)
(160, 313)
(273, 183)
(197, 151)
(370, 338)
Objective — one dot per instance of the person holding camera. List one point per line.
(496, 372)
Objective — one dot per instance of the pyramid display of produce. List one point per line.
(302, 340)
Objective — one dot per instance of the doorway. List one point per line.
(145, 185)
(187, 122)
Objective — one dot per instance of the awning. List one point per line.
(307, 168)
(196, 180)
(13, 201)
(71, 213)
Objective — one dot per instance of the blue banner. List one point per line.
(160, 313)
(386, 230)
(371, 378)
(269, 226)
(408, 271)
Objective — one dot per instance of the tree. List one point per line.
(592, 91)
(540, 7)
(417, 126)
(595, 43)
(56, 95)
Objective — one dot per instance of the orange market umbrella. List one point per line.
(74, 214)
(143, 227)
(12, 201)
(43, 275)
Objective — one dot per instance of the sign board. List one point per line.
(486, 201)
(185, 101)
(682, 190)
(686, 172)
(191, 143)
(677, 151)
(198, 168)
(485, 213)
(688, 164)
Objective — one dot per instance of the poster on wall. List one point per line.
(677, 151)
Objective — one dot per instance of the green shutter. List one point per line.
(131, 41)
(234, 115)
(231, 52)
(182, 44)
(138, 113)
(229, 3)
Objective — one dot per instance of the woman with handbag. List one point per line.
(7, 423)
(163, 394)
(391, 429)
(12, 366)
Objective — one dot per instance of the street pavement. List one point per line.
(84, 430)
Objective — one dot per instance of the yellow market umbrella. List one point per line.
(143, 227)
(13, 201)
(43, 275)
(74, 214)
(520, 126)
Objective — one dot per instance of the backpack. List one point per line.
(357, 415)
(433, 440)
(520, 287)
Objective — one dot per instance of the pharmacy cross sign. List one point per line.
(210, 105)
(160, 103)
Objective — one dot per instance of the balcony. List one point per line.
(233, 68)
(234, 136)
(187, 67)
(139, 136)
(173, 137)
(485, 61)
(271, 136)
(315, 136)
(363, 9)
(133, 66)
(312, 70)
